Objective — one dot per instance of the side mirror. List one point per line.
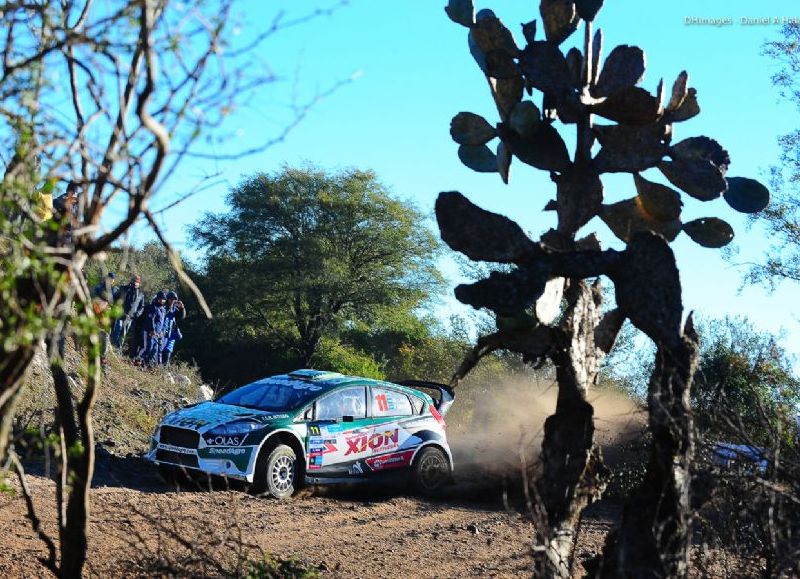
(347, 419)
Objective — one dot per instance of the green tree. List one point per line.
(151, 262)
(781, 218)
(301, 253)
(745, 386)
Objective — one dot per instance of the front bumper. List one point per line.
(231, 462)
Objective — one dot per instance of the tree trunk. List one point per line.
(13, 367)
(77, 465)
(573, 472)
(654, 537)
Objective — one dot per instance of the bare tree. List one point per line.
(108, 97)
(653, 539)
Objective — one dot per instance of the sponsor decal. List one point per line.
(238, 456)
(333, 428)
(303, 386)
(387, 461)
(316, 440)
(385, 402)
(296, 384)
(276, 416)
(326, 448)
(227, 451)
(329, 441)
(222, 440)
(313, 430)
(315, 462)
(377, 441)
(185, 421)
(209, 413)
(178, 449)
(355, 468)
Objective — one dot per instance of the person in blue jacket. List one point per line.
(171, 340)
(175, 312)
(153, 330)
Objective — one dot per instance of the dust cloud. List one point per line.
(494, 428)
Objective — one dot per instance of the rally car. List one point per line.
(315, 427)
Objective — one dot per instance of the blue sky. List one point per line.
(414, 73)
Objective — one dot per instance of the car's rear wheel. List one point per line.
(277, 472)
(431, 470)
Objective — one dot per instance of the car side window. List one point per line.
(387, 402)
(347, 402)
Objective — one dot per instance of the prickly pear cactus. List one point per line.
(540, 91)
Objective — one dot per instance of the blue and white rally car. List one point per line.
(311, 426)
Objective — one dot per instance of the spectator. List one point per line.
(132, 299)
(66, 205)
(171, 340)
(153, 330)
(175, 311)
(65, 210)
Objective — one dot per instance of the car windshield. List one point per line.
(272, 395)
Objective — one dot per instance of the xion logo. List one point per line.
(360, 442)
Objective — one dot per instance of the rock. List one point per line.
(473, 528)
(206, 392)
(169, 378)
(182, 380)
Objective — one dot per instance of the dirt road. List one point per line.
(140, 527)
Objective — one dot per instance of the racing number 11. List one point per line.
(383, 406)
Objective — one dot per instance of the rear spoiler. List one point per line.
(446, 394)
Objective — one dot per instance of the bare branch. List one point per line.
(36, 523)
(177, 266)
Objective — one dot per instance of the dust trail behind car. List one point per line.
(493, 427)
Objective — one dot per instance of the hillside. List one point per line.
(130, 401)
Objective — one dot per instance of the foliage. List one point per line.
(745, 385)
(781, 219)
(302, 251)
(5, 487)
(338, 357)
(271, 567)
(151, 262)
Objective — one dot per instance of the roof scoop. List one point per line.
(313, 375)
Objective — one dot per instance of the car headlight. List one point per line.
(233, 428)
(230, 434)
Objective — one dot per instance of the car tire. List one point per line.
(430, 471)
(277, 472)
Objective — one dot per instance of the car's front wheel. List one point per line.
(277, 472)
(431, 470)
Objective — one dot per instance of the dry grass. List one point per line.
(130, 402)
